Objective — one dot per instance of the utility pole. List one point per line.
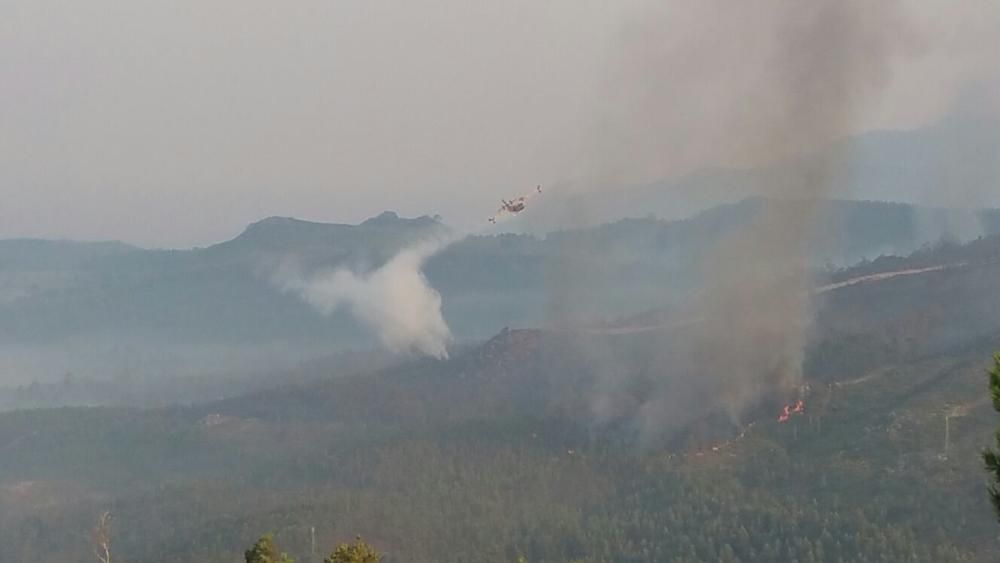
(312, 543)
(947, 433)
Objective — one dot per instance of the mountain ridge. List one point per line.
(112, 312)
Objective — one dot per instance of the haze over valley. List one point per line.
(448, 282)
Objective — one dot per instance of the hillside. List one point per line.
(507, 449)
(106, 311)
(159, 313)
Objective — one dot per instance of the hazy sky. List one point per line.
(175, 123)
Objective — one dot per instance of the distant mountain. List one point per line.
(632, 265)
(372, 242)
(107, 310)
(31, 267)
(54, 255)
(110, 311)
(951, 164)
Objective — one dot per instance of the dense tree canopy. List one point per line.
(265, 551)
(357, 552)
(992, 456)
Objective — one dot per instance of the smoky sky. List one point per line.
(176, 123)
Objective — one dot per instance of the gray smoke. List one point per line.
(713, 82)
(395, 300)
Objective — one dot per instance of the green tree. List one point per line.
(358, 552)
(264, 551)
(992, 456)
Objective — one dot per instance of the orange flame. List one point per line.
(789, 410)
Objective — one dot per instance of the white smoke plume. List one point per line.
(394, 301)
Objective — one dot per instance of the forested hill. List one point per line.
(109, 311)
(941, 254)
(510, 449)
